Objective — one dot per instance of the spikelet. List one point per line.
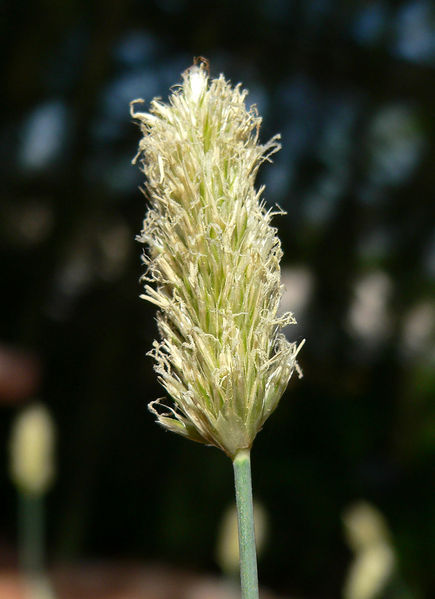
(373, 567)
(31, 450)
(212, 264)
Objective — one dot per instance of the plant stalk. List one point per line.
(31, 533)
(245, 519)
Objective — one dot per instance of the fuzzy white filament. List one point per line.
(212, 264)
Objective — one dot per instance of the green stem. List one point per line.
(245, 518)
(31, 533)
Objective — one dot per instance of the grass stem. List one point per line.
(245, 518)
(31, 533)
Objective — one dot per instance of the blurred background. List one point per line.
(351, 88)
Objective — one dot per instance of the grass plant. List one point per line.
(213, 270)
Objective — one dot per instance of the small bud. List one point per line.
(364, 526)
(368, 536)
(31, 450)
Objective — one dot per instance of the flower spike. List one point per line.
(212, 263)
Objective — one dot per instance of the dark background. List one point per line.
(351, 88)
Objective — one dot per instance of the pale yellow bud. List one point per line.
(31, 450)
(364, 526)
(367, 534)
(369, 573)
(213, 264)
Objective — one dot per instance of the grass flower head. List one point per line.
(31, 450)
(212, 263)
